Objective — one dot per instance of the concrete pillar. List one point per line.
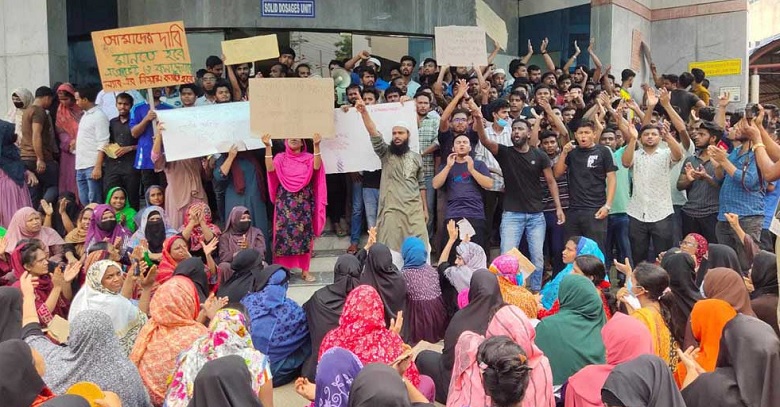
(33, 46)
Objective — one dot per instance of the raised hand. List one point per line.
(47, 208)
(27, 285)
(463, 87)
(652, 96)
(267, 140)
(591, 44)
(397, 323)
(664, 97)
(576, 48)
(624, 267)
(72, 271)
(530, 47)
(149, 278)
(317, 138)
(209, 247)
(451, 160)
(543, 47)
(469, 163)
(233, 152)
(690, 172)
(724, 99)
(371, 238)
(452, 230)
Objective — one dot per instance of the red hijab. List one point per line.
(167, 264)
(702, 247)
(68, 117)
(42, 289)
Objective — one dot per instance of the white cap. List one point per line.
(499, 71)
(403, 124)
(375, 61)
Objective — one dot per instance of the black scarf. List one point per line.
(22, 386)
(246, 266)
(224, 382)
(380, 273)
(194, 269)
(10, 313)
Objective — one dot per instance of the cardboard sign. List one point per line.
(461, 46)
(492, 23)
(291, 107)
(250, 49)
(143, 57)
(636, 50)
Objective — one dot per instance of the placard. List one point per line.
(204, 130)
(735, 93)
(292, 107)
(461, 46)
(492, 23)
(636, 50)
(721, 67)
(351, 149)
(142, 57)
(250, 49)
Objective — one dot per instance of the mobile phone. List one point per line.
(136, 269)
(751, 111)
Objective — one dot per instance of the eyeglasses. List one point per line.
(687, 244)
(459, 120)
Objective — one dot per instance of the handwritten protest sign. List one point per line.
(205, 130)
(494, 25)
(142, 57)
(351, 150)
(292, 108)
(250, 49)
(461, 46)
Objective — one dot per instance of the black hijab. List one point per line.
(681, 267)
(194, 269)
(23, 386)
(71, 208)
(323, 309)
(10, 160)
(246, 267)
(378, 385)
(10, 313)
(644, 381)
(261, 279)
(224, 382)
(764, 274)
(719, 255)
(748, 365)
(380, 273)
(67, 400)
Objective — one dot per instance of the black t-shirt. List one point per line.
(682, 101)
(587, 170)
(447, 141)
(522, 192)
(119, 133)
(371, 179)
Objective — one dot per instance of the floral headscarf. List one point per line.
(197, 231)
(473, 259)
(702, 247)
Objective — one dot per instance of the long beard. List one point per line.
(520, 143)
(399, 150)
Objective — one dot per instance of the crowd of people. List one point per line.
(636, 266)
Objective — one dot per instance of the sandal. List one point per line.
(305, 276)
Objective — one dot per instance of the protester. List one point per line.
(21, 99)
(725, 284)
(152, 233)
(241, 234)
(141, 118)
(118, 170)
(239, 278)
(105, 227)
(26, 387)
(125, 215)
(26, 224)
(69, 114)
(224, 380)
(575, 246)
(335, 375)
(506, 268)
(63, 219)
(378, 384)
(643, 381)
(198, 229)
(37, 147)
(14, 178)
(174, 251)
(243, 178)
(708, 319)
(380, 273)
(764, 298)
(426, 314)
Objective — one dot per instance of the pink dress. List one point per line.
(14, 197)
(67, 177)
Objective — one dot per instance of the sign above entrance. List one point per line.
(722, 67)
(290, 8)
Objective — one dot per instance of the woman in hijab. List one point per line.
(76, 239)
(378, 384)
(725, 284)
(244, 273)
(224, 382)
(591, 267)
(335, 374)
(25, 387)
(154, 196)
(193, 269)
(14, 178)
(21, 99)
(643, 381)
(240, 234)
(467, 388)
(681, 268)
(747, 370)
(296, 186)
(62, 219)
(245, 186)
(362, 331)
(10, 313)
(198, 228)
(228, 335)
(426, 315)
(125, 215)
(279, 327)
(26, 224)
(576, 246)
(625, 339)
(172, 327)
(506, 267)
(571, 338)
(380, 273)
(763, 299)
(67, 128)
(484, 298)
(152, 233)
(698, 247)
(470, 258)
(325, 306)
(102, 293)
(104, 227)
(708, 319)
(719, 255)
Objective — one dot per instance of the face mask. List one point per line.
(502, 122)
(107, 225)
(19, 105)
(243, 226)
(155, 227)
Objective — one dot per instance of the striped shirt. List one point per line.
(703, 197)
(428, 132)
(484, 155)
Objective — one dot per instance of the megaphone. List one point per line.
(341, 80)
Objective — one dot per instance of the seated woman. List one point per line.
(572, 337)
(506, 267)
(198, 230)
(380, 273)
(728, 285)
(155, 196)
(152, 233)
(125, 215)
(239, 235)
(698, 247)
(625, 339)
(643, 381)
(64, 217)
(228, 335)
(325, 306)
(335, 373)
(378, 384)
(172, 328)
(507, 373)
(106, 292)
(426, 314)
(576, 246)
(454, 279)
(92, 353)
(708, 319)
(175, 251)
(76, 239)
(591, 267)
(468, 388)
(194, 270)
(27, 224)
(278, 324)
(484, 299)
(24, 388)
(764, 297)
(362, 331)
(53, 293)
(681, 267)
(223, 379)
(104, 227)
(245, 269)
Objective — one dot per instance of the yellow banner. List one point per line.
(722, 67)
(143, 57)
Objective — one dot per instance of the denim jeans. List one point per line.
(533, 225)
(371, 202)
(554, 242)
(90, 190)
(356, 225)
(617, 238)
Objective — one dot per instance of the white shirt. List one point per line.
(92, 137)
(202, 101)
(651, 200)
(484, 155)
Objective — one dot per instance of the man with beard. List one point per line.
(522, 166)
(239, 81)
(553, 242)
(141, 118)
(407, 67)
(209, 83)
(403, 208)
(119, 171)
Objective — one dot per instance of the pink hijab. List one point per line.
(17, 230)
(293, 171)
(68, 117)
(466, 386)
(625, 338)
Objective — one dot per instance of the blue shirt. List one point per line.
(380, 84)
(143, 156)
(743, 192)
(770, 204)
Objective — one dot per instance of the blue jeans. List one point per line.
(554, 242)
(356, 225)
(617, 238)
(90, 190)
(533, 225)
(371, 202)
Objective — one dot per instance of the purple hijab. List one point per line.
(335, 373)
(95, 234)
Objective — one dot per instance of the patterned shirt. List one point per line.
(484, 155)
(427, 133)
(742, 193)
(651, 200)
(563, 190)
